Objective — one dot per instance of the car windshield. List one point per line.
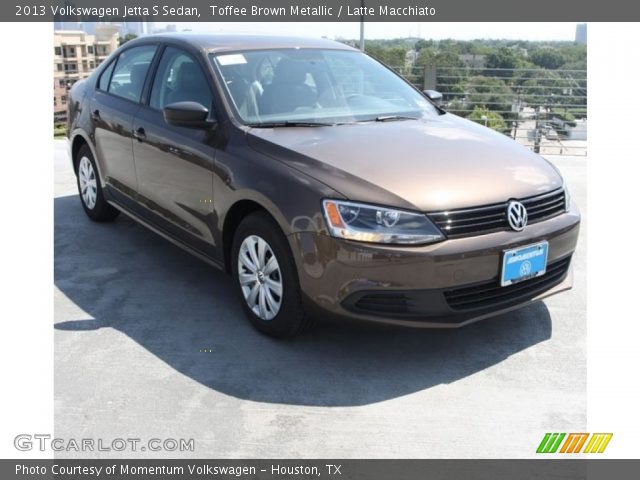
(316, 86)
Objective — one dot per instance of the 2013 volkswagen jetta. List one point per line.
(321, 180)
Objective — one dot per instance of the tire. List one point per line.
(90, 189)
(279, 316)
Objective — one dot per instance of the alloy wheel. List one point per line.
(260, 277)
(88, 183)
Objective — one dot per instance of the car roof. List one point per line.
(225, 42)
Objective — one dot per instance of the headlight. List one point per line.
(370, 223)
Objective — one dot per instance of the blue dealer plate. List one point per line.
(524, 263)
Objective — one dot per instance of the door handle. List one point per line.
(95, 115)
(140, 134)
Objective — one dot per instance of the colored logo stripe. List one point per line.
(550, 443)
(598, 442)
(574, 442)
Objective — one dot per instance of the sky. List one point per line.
(381, 30)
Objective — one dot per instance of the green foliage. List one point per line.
(489, 92)
(493, 120)
(576, 57)
(566, 116)
(126, 38)
(508, 54)
(451, 77)
(538, 74)
(546, 57)
(578, 113)
(429, 56)
(502, 57)
(502, 62)
(421, 44)
(393, 56)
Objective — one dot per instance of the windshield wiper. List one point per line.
(290, 123)
(390, 118)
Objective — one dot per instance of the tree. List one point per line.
(550, 58)
(426, 56)
(431, 56)
(126, 38)
(491, 93)
(502, 57)
(420, 44)
(576, 57)
(501, 62)
(449, 69)
(493, 120)
(391, 56)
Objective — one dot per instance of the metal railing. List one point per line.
(545, 110)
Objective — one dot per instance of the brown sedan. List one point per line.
(321, 180)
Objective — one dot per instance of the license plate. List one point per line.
(524, 263)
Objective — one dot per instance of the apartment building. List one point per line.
(75, 55)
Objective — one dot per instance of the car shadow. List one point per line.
(186, 313)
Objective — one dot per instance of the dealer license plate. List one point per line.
(523, 263)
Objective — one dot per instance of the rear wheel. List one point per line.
(266, 278)
(90, 190)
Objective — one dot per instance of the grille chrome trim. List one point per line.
(493, 218)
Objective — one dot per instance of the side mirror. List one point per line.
(187, 114)
(434, 96)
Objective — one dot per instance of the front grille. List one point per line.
(383, 302)
(493, 218)
(491, 294)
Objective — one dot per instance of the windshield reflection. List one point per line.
(307, 87)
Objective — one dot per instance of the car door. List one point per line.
(115, 102)
(175, 164)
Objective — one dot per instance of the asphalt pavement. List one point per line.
(152, 343)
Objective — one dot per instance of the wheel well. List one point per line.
(235, 215)
(77, 144)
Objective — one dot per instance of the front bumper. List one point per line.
(448, 284)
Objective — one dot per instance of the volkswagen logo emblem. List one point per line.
(517, 216)
(525, 268)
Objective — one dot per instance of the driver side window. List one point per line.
(179, 79)
(130, 72)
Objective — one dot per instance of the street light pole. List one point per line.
(362, 25)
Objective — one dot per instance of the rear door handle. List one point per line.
(140, 134)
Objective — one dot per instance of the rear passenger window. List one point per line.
(179, 79)
(130, 72)
(103, 84)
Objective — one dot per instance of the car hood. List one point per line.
(429, 165)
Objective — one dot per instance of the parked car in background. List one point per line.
(322, 181)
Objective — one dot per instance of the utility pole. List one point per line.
(362, 25)
(537, 134)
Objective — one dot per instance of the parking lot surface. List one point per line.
(152, 343)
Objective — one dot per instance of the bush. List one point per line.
(578, 112)
(567, 117)
(494, 120)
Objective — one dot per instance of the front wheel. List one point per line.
(266, 278)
